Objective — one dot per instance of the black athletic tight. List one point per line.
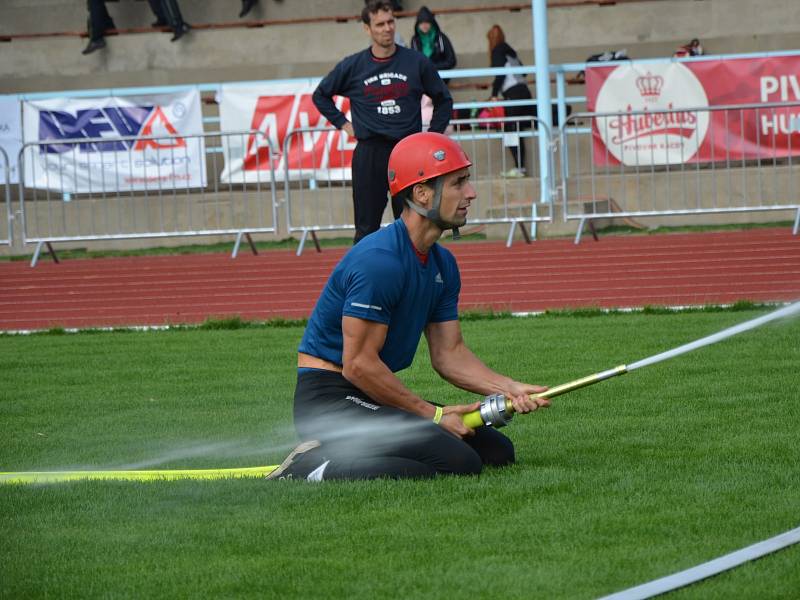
(364, 440)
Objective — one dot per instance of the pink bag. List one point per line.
(492, 112)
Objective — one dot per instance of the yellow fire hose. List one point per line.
(157, 475)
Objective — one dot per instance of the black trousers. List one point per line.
(167, 11)
(521, 92)
(371, 185)
(518, 92)
(365, 440)
(99, 19)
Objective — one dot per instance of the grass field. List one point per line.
(617, 484)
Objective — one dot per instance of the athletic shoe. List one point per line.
(301, 463)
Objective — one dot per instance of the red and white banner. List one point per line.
(274, 111)
(71, 163)
(641, 136)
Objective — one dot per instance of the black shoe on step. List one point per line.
(178, 33)
(94, 45)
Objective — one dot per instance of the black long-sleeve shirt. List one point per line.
(385, 94)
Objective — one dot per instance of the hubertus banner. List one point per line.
(640, 136)
(71, 164)
(273, 111)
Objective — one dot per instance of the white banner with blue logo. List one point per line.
(115, 144)
(10, 136)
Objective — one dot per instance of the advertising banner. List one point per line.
(10, 136)
(690, 132)
(274, 111)
(72, 165)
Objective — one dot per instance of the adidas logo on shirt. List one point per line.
(438, 278)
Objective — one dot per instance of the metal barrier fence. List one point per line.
(125, 188)
(316, 183)
(7, 229)
(659, 164)
(507, 182)
(319, 195)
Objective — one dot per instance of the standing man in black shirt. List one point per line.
(385, 84)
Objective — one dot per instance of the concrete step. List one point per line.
(646, 29)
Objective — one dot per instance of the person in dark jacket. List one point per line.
(429, 39)
(385, 84)
(512, 87)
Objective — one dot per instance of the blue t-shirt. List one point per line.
(382, 279)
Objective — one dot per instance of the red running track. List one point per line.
(760, 265)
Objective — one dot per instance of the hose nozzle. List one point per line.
(496, 411)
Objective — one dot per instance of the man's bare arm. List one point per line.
(363, 367)
(456, 363)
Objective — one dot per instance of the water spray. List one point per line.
(497, 411)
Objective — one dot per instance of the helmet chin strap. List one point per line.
(432, 214)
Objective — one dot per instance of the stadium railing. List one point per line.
(508, 199)
(561, 141)
(318, 198)
(7, 230)
(173, 189)
(735, 174)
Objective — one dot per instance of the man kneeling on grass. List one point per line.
(360, 421)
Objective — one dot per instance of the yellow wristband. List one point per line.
(438, 414)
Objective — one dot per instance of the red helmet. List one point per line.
(422, 156)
